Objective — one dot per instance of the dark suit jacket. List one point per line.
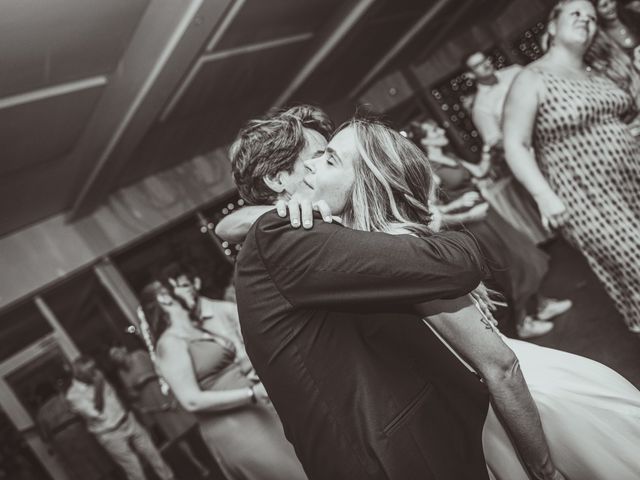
(363, 388)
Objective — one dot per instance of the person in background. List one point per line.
(504, 194)
(568, 141)
(517, 266)
(64, 430)
(139, 377)
(221, 316)
(115, 428)
(493, 85)
(621, 21)
(200, 364)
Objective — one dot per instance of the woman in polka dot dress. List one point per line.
(568, 141)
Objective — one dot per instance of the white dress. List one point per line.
(590, 415)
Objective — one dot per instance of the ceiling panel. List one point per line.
(40, 191)
(222, 85)
(168, 144)
(357, 54)
(44, 130)
(260, 20)
(52, 42)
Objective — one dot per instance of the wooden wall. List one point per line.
(447, 59)
(37, 256)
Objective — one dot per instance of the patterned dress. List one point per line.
(592, 162)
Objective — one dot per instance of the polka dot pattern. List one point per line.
(592, 162)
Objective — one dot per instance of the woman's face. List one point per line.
(169, 304)
(576, 23)
(607, 9)
(434, 135)
(330, 177)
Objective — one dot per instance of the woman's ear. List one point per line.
(197, 283)
(552, 29)
(275, 182)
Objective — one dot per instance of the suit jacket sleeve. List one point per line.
(331, 265)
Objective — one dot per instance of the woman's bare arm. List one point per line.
(175, 365)
(520, 111)
(477, 341)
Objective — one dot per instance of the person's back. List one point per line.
(362, 388)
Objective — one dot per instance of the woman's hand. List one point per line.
(484, 303)
(477, 213)
(468, 200)
(301, 211)
(552, 209)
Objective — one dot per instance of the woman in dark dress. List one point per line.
(517, 265)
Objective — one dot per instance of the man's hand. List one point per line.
(301, 211)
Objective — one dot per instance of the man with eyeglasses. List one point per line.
(493, 86)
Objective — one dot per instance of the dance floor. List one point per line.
(592, 328)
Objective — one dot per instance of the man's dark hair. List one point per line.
(174, 270)
(268, 146)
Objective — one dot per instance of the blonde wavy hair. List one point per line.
(393, 182)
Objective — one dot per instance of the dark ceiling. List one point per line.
(96, 94)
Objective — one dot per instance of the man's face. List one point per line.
(315, 146)
(481, 65)
(186, 290)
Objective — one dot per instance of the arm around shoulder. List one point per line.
(334, 265)
(235, 226)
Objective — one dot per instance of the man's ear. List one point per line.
(173, 282)
(275, 182)
(197, 283)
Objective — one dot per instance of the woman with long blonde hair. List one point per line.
(568, 140)
(590, 414)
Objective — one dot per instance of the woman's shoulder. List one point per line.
(532, 73)
(527, 82)
(169, 342)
